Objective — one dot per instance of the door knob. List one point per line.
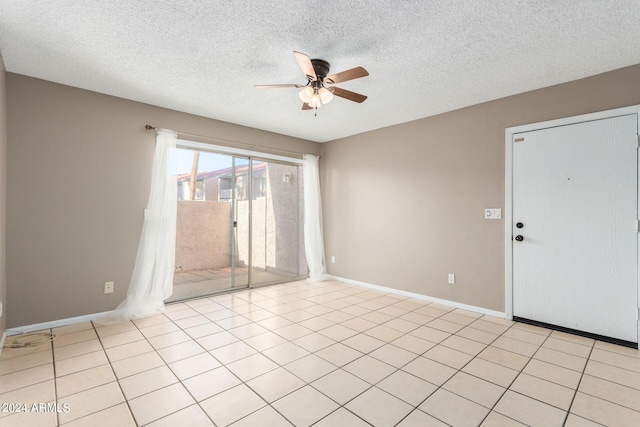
(519, 225)
(519, 238)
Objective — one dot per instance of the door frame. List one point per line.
(185, 143)
(508, 186)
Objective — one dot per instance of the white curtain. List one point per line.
(152, 278)
(313, 241)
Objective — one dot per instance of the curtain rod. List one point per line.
(254, 146)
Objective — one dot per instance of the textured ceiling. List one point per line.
(424, 56)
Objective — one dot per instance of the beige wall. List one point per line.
(203, 235)
(3, 194)
(77, 184)
(403, 205)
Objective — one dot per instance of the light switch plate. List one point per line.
(492, 213)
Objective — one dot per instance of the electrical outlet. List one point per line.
(333, 259)
(108, 287)
(0, 308)
(452, 278)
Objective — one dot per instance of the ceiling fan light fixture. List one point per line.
(315, 101)
(306, 94)
(325, 95)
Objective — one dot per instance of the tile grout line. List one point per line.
(575, 393)
(460, 370)
(610, 382)
(180, 381)
(371, 386)
(543, 379)
(296, 293)
(268, 404)
(55, 377)
(390, 343)
(53, 367)
(154, 350)
(516, 377)
(486, 345)
(135, 421)
(89, 368)
(242, 382)
(337, 367)
(182, 329)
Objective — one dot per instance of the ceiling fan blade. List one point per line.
(306, 106)
(352, 74)
(307, 67)
(347, 94)
(277, 86)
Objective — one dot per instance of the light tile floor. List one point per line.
(324, 354)
(191, 284)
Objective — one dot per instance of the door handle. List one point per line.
(519, 238)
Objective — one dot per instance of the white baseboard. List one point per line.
(95, 316)
(55, 323)
(422, 297)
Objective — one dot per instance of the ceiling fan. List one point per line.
(320, 87)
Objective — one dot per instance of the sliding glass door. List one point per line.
(239, 223)
(277, 243)
(206, 239)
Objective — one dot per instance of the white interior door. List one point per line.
(575, 194)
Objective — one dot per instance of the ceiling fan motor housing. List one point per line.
(321, 67)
